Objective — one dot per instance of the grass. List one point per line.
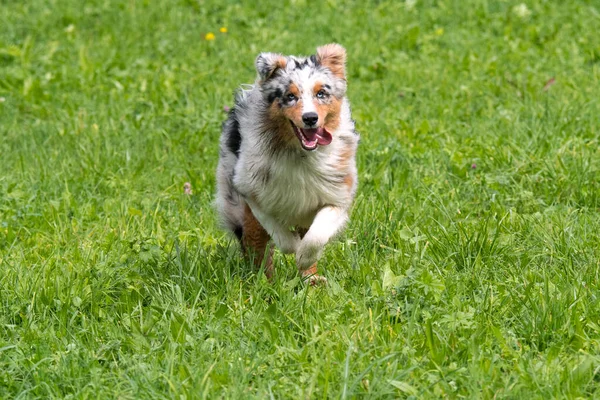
(470, 267)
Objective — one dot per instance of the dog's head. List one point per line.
(305, 94)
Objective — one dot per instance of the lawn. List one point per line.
(470, 267)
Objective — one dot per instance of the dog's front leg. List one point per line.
(285, 240)
(328, 221)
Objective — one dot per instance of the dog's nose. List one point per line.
(310, 118)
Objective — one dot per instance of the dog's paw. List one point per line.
(315, 280)
(308, 254)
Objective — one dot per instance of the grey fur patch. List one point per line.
(231, 196)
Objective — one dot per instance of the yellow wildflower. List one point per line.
(223, 29)
(209, 36)
(439, 31)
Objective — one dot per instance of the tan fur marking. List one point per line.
(294, 90)
(313, 278)
(333, 56)
(345, 156)
(349, 181)
(312, 270)
(277, 123)
(330, 113)
(318, 86)
(255, 243)
(294, 114)
(344, 161)
(281, 62)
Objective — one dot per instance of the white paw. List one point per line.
(308, 254)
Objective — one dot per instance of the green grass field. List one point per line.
(470, 268)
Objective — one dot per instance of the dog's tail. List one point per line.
(230, 204)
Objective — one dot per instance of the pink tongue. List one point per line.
(319, 134)
(324, 138)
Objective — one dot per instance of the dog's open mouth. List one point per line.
(311, 138)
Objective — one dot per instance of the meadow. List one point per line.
(470, 267)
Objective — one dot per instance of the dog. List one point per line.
(287, 168)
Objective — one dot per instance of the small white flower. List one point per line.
(521, 10)
(504, 113)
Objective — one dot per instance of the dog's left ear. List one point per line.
(333, 56)
(268, 63)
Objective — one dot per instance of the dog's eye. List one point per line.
(321, 94)
(291, 97)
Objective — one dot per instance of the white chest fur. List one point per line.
(291, 187)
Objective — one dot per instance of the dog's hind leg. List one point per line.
(255, 243)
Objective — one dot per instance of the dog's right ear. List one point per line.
(268, 63)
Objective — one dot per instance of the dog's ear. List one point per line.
(333, 56)
(268, 63)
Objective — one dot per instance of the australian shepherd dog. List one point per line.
(287, 167)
